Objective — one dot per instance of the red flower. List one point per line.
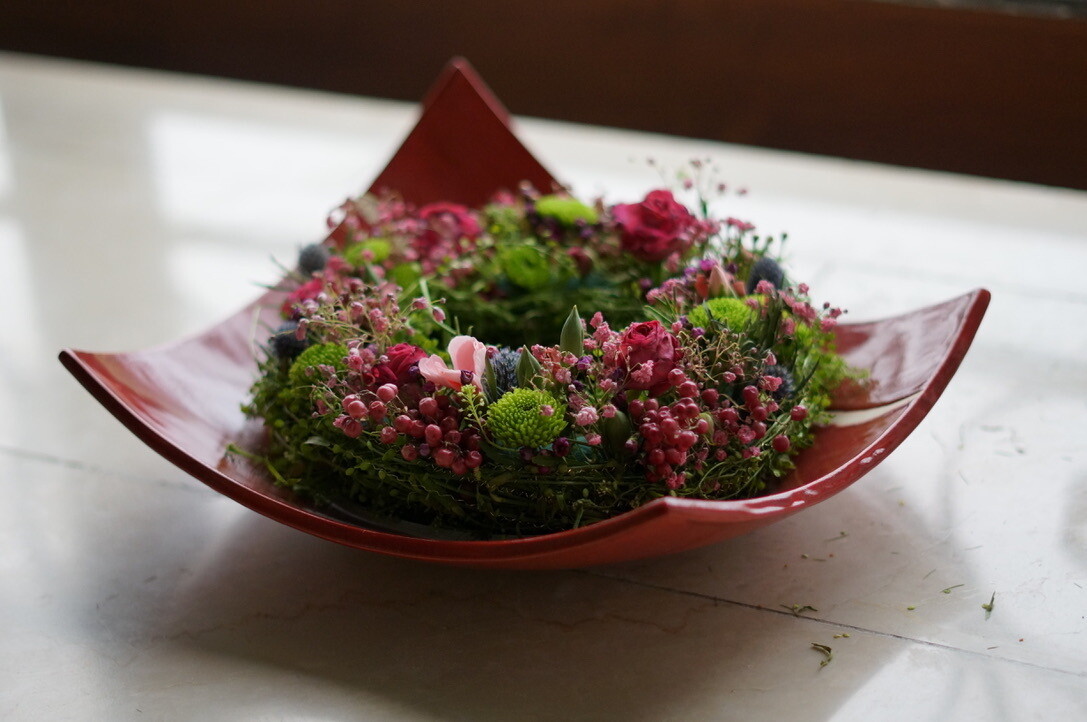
(649, 354)
(655, 228)
(450, 220)
(397, 368)
(310, 289)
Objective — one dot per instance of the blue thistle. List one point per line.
(285, 344)
(312, 259)
(788, 386)
(765, 269)
(504, 363)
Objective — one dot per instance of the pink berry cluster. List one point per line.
(432, 428)
(435, 430)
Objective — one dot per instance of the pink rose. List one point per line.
(655, 228)
(649, 353)
(469, 358)
(397, 368)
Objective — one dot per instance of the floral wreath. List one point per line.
(540, 363)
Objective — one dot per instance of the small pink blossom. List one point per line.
(588, 415)
(547, 410)
(643, 375)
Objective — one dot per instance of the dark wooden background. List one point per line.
(967, 90)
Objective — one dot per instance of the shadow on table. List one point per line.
(366, 632)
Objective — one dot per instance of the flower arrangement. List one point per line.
(540, 363)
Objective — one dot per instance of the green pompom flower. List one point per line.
(734, 313)
(328, 354)
(565, 210)
(379, 249)
(527, 266)
(526, 417)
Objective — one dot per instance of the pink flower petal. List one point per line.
(434, 370)
(469, 354)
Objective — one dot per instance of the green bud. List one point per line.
(490, 386)
(617, 430)
(572, 338)
(527, 368)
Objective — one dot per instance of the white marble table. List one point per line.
(136, 207)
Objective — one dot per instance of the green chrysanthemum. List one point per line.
(518, 419)
(378, 248)
(566, 211)
(328, 354)
(732, 312)
(527, 266)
